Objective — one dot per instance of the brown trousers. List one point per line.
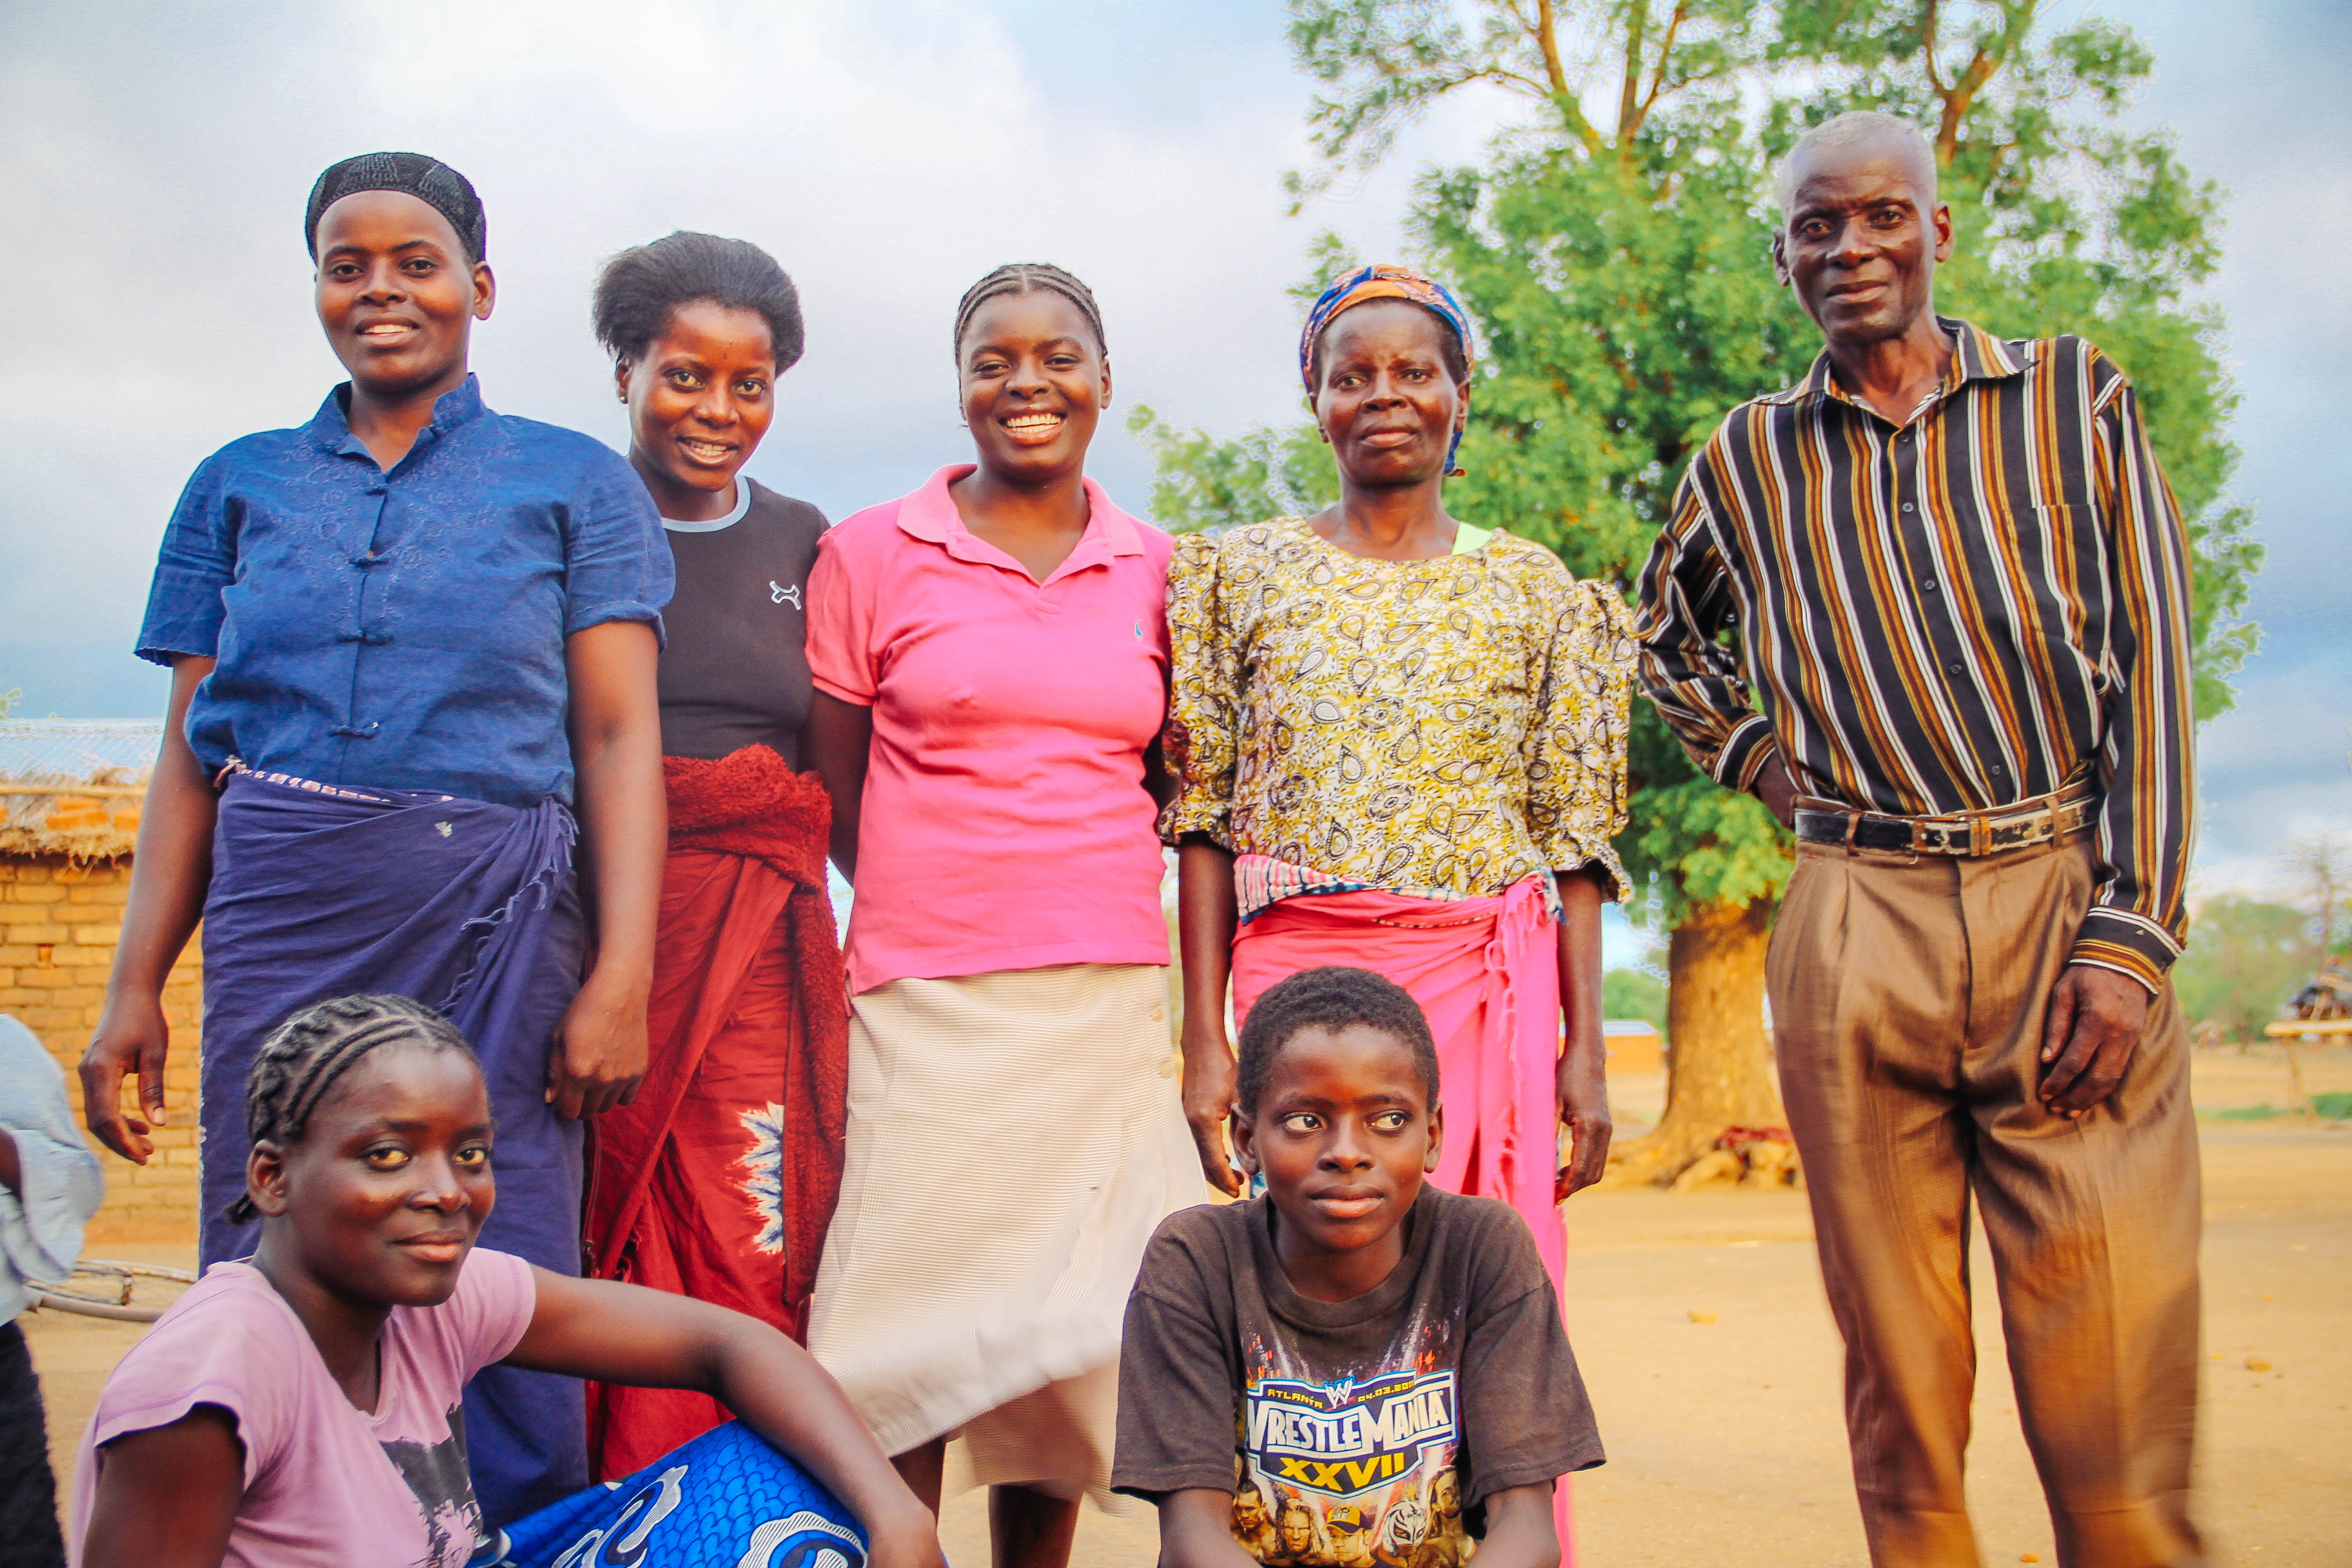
(1907, 1002)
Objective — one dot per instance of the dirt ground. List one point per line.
(1726, 1444)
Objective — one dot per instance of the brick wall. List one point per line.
(58, 925)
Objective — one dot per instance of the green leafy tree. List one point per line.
(2244, 959)
(1635, 994)
(1613, 246)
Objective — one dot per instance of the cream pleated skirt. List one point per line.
(1014, 1139)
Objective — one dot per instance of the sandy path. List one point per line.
(1725, 1438)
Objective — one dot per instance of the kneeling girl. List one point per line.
(300, 1406)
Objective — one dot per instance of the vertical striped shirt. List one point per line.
(1951, 614)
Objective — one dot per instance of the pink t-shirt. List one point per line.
(1005, 823)
(326, 1483)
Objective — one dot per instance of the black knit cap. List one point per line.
(429, 180)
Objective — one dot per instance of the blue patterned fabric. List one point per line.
(401, 630)
(725, 1500)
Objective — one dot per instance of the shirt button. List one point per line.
(1954, 667)
(376, 490)
(1907, 506)
(1929, 584)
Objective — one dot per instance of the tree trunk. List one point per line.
(1720, 1072)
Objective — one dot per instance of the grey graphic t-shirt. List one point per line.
(1357, 1432)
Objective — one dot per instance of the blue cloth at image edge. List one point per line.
(727, 1500)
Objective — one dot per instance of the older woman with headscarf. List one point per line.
(1399, 742)
(405, 638)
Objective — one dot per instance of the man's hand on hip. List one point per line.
(2095, 1021)
(1778, 791)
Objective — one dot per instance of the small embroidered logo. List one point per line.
(442, 829)
(779, 595)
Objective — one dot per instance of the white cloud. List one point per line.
(154, 160)
(886, 155)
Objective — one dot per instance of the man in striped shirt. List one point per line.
(1959, 585)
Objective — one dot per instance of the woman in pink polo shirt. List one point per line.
(990, 663)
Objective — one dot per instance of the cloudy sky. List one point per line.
(154, 161)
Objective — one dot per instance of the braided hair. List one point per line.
(1028, 277)
(1332, 997)
(307, 1053)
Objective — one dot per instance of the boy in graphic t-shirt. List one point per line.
(1356, 1370)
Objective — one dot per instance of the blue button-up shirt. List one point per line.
(403, 629)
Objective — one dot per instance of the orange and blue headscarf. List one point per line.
(1380, 283)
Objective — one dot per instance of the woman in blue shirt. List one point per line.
(403, 639)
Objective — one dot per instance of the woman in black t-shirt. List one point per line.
(719, 1179)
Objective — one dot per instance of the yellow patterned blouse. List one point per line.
(1436, 729)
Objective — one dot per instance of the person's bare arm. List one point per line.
(650, 1339)
(1206, 919)
(1583, 1089)
(1519, 1532)
(840, 738)
(170, 870)
(599, 1055)
(166, 1496)
(1196, 1531)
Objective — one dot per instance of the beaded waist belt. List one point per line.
(1976, 833)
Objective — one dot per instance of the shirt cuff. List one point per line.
(580, 620)
(834, 689)
(1743, 756)
(1575, 854)
(2128, 943)
(1196, 814)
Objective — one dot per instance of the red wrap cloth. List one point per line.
(718, 1181)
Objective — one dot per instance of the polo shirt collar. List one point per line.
(1977, 355)
(330, 427)
(930, 514)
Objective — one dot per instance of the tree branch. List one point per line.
(2017, 20)
(1563, 96)
(1927, 42)
(1658, 78)
(1629, 93)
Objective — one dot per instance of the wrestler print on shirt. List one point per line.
(1355, 1470)
(763, 1182)
(437, 1473)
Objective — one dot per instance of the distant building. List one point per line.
(69, 796)
(1633, 1045)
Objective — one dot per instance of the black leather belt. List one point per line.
(2016, 826)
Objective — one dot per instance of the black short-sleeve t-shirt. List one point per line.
(736, 672)
(1355, 1432)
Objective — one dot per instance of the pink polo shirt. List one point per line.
(1005, 823)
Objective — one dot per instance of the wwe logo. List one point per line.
(1340, 1389)
(779, 595)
